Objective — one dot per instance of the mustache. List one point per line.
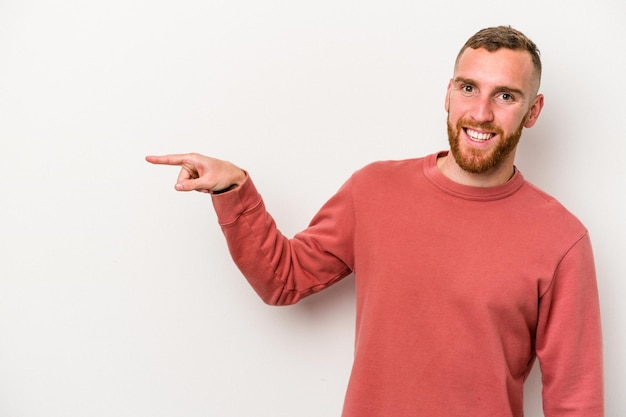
(486, 126)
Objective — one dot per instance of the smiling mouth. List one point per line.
(478, 136)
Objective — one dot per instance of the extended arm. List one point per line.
(281, 270)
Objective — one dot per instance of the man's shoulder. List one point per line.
(547, 206)
(389, 179)
(395, 167)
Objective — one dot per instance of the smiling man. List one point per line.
(491, 98)
(465, 272)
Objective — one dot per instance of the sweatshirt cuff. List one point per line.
(230, 205)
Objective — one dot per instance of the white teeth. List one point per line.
(477, 136)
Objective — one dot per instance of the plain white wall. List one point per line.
(117, 294)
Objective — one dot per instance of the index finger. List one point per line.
(173, 159)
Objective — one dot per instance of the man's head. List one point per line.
(491, 97)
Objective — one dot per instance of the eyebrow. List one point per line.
(503, 88)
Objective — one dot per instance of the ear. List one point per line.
(447, 103)
(534, 111)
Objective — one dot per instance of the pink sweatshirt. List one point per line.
(458, 290)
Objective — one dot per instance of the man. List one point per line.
(465, 272)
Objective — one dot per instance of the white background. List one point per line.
(117, 294)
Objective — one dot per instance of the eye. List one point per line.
(467, 88)
(508, 97)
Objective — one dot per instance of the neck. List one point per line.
(492, 178)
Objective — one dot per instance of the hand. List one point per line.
(201, 173)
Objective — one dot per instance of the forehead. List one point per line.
(504, 67)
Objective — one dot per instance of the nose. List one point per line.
(482, 111)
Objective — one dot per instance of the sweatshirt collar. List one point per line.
(468, 192)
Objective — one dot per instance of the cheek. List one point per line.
(518, 122)
(458, 106)
(510, 121)
(455, 113)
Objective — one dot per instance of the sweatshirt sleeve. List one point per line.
(569, 339)
(281, 270)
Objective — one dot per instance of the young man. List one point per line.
(465, 272)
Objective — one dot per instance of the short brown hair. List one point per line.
(498, 37)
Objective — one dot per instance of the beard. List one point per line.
(478, 161)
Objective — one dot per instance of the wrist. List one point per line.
(237, 181)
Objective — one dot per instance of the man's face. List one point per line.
(489, 101)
